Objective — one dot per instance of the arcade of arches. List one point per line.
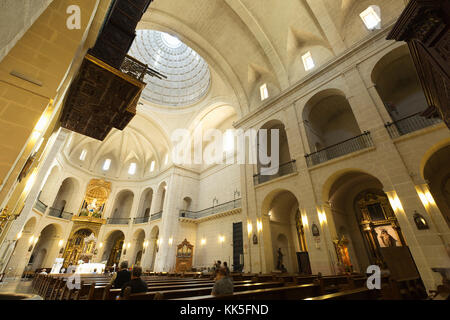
(363, 177)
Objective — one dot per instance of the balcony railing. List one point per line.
(265, 174)
(156, 216)
(409, 124)
(212, 210)
(118, 221)
(40, 206)
(58, 213)
(141, 219)
(138, 70)
(340, 149)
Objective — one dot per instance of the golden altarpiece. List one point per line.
(379, 227)
(86, 225)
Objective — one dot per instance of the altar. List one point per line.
(85, 268)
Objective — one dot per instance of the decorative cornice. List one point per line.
(211, 217)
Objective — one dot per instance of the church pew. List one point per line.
(111, 294)
(331, 284)
(281, 293)
(405, 289)
(173, 294)
(352, 294)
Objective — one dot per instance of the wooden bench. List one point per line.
(111, 294)
(282, 293)
(193, 292)
(353, 294)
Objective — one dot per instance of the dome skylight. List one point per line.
(188, 75)
(171, 41)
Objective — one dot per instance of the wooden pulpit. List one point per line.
(425, 26)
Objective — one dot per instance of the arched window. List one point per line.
(132, 168)
(106, 165)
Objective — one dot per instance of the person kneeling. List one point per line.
(223, 284)
(136, 284)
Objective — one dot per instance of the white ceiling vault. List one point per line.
(221, 53)
(188, 75)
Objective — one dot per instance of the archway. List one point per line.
(145, 205)
(366, 227)
(45, 249)
(270, 170)
(153, 247)
(75, 246)
(161, 196)
(286, 230)
(113, 248)
(437, 173)
(122, 207)
(395, 78)
(329, 120)
(47, 192)
(65, 198)
(138, 247)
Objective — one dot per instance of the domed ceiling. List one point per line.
(188, 75)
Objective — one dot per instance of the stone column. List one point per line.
(43, 169)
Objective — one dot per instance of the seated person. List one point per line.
(122, 276)
(136, 283)
(223, 284)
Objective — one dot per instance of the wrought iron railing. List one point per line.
(410, 124)
(141, 219)
(212, 210)
(156, 216)
(40, 206)
(138, 70)
(340, 149)
(118, 220)
(59, 213)
(266, 175)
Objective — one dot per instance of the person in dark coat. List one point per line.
(122, 276)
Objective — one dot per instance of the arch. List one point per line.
(138, 246)
(430, 152)
(46, 247)
(283, 149)
(123, 204)
(46, 194)
(359, 210)
(65, 199)
(395, 79)
(114, 243)
(280, 215)
(153, 247)
(436, 172)
(29, 225)
(161, 197)
(145, 203)
(328, 119)
(331, 180)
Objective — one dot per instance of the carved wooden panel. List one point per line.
(425, 25)
(100, 98)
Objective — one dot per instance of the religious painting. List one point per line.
(387, 236)
(315, 230)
